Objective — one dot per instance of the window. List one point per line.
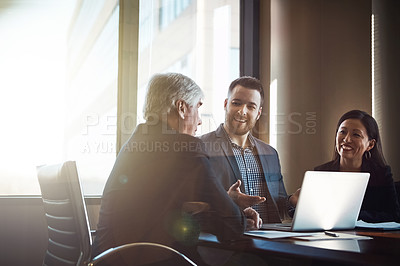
(197, 38)
(58, 95)
(170, 10)
(91, 94)
(33, 59)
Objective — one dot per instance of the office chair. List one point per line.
(69, 234)
(397, 188)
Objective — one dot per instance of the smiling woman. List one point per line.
(358, 148)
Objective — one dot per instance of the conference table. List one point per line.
(382, 249)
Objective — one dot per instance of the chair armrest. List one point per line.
(111, 251)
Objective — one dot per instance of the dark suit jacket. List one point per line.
(380, 200)
(225, 166)
(155, 173)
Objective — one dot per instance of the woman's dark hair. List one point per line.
(372, 131)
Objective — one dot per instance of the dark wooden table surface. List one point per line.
(382, 249)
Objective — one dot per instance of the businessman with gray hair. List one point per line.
(162, 188)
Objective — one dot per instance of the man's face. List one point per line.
(191, 119)
(242, 110)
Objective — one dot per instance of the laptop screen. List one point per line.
(329, 200)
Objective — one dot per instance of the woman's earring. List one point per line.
(367, 155)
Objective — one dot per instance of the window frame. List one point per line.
(128, 65)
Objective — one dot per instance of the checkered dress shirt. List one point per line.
(253, 179)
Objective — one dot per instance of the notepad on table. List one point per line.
(378, 226)
(323, 236)
(271, 234)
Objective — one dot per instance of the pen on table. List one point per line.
(332, 234)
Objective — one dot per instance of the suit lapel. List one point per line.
(227, 149)
(272, 187)
(261, 155)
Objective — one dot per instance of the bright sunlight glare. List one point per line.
(32, 67)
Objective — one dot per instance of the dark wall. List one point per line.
(320, 69)
(386, 51)
(23, 230)
(23, 235)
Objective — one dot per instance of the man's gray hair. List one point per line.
(164, 90)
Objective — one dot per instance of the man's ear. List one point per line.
(259, 113)
(225, 103)
(181, 108)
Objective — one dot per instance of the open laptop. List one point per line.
(327, 201)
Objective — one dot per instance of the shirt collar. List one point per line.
(250, 137)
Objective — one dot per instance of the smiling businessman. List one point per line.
(237, 157)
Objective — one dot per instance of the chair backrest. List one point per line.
(397, 187)
(68, 228)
